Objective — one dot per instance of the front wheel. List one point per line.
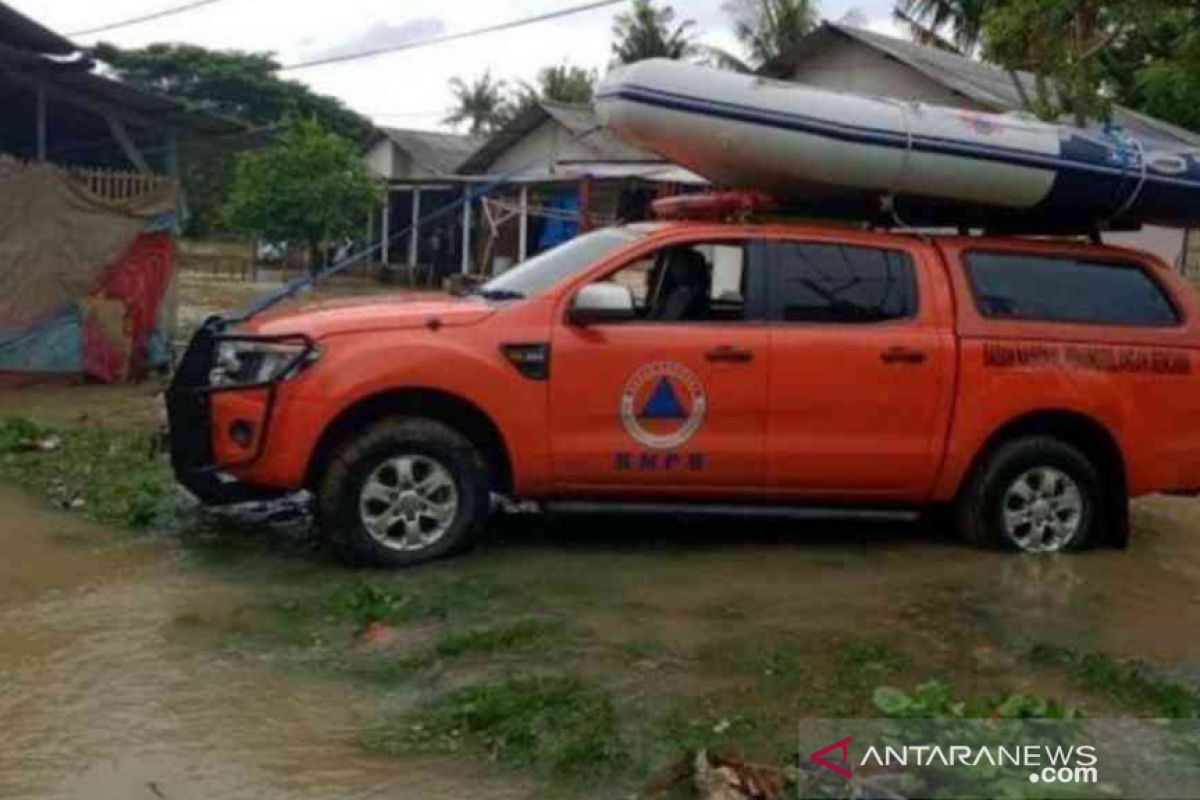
(402, 492)
(1036, 495)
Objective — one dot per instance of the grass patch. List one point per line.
(431, 593)
(1125, 683)
(523, 635)
(558, 725)
(109, 476)
(935, 700)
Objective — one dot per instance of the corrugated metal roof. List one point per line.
(441, 153)
(985, 84)
(23, 33)
(577, 120)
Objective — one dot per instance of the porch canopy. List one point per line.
(58, 108)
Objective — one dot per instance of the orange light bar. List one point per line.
(711, 206)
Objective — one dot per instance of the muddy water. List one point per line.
(108, 688)
(679, 582)
(106, 691)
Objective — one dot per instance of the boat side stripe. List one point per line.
(874, 136)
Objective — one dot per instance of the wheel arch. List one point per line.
(1092, 437)
(448, 408)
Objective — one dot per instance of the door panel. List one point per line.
(665, 405)
(638, 406)
(857, 408)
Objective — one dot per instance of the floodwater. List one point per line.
(107, 692)
(671, 580)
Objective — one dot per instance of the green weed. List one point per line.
(1129, 684)
(556, 724)
(109, 476)
(936, 700)
(521, 636)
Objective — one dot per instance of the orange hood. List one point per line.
(379, 312)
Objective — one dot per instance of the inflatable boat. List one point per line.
(837, 154)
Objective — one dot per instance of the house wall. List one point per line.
(849, 66)
(539, 149)
(387, 160)
(381, 157)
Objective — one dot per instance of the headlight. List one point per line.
(247, 362)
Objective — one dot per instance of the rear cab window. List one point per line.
(1066, 289)
(821, 282)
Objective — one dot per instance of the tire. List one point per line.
(405, 491)
(1022, 497)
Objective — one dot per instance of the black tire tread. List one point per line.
(973, 517)
(341, 525)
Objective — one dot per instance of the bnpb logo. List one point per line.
(663, 405)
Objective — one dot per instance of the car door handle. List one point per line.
(903, 355)
(729, 353)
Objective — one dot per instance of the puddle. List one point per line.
(106, 693)
(108, 688)
(683, 582)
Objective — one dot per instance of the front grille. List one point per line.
(188, 410)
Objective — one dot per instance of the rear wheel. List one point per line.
(1036, 494)
(402, 492)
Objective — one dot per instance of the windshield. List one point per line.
(546, 269)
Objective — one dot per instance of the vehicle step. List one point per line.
(732, 510)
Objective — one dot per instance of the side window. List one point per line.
(842, 283)
(699, 282)
(1063, 289)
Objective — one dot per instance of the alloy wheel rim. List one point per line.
(1042, 510)
(408, 502)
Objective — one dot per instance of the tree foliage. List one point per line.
(488, 104)
(650, 31)
(310, 185)
(767, 29)
(1156, 68)
(231, 83)
(1064, 42)
(565, 83)
(954, 25)
(479, 103)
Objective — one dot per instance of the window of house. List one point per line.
(818, 282)
(1065, 289)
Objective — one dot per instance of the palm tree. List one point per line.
(767, 29)
(565, 83)
(481, 103)
(646, 31)
(954, 25)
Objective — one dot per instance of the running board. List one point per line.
(733, 510)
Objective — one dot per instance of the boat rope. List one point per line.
(1137, 190)
(296, 285)
(890, 200)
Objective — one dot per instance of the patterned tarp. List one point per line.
(83, 277)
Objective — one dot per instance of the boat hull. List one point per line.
(842, 154)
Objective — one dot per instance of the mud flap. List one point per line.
(1118, 529)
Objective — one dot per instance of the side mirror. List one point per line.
(601, 302)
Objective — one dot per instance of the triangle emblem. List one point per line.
(663, 403)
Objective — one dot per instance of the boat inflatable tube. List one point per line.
(840, 154)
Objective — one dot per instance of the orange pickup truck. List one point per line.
(1031, 386)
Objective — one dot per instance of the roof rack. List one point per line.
(752, 206)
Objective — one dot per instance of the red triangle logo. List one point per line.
(842, 747)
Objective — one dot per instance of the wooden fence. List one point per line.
(116, 185)
(109, 184)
